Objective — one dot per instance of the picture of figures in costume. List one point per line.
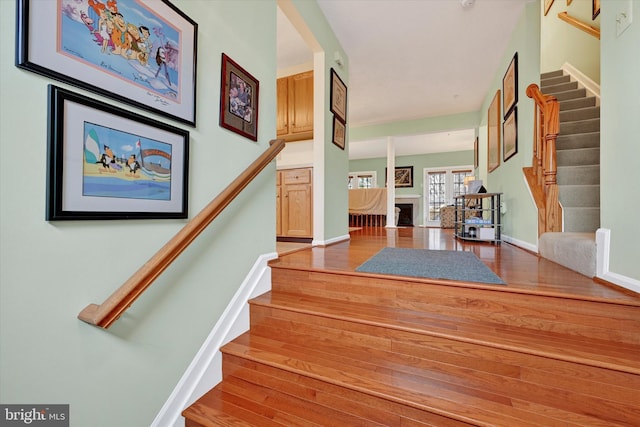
(124, 39)
(124, 165)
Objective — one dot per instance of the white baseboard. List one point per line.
(603, 248)
(592, 87)
(205, 370)
(331, 241)
(520, 243)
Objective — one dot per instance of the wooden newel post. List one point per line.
(552, 128)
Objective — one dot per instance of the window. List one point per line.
(361, 180)
(443, 185)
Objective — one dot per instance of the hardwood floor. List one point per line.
(521, 269)
(329, 346)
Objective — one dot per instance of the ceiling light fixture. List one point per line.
(467, 4)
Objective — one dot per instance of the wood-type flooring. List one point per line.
(332, 347)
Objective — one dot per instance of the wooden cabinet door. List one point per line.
(296, 211)
(301, 103)
(296, 203)
(282, 101)
(278, 210)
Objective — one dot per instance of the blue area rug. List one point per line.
(432, 264)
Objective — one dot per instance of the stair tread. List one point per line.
(444, 389)
(624, 357)
(375, 410)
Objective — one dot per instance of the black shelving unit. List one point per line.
(477, 217)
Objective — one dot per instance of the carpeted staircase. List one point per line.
(578, 152)
(578, 160)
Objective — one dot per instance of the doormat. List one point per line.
(432, 264)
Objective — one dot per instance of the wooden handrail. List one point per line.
(542, 175)
(589, 29)
(109, 311)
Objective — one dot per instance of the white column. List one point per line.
(391, 180)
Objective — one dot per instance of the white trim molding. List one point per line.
(330, 241)
(592, 87)
(520, 243)
(205, 370)
(603, 248)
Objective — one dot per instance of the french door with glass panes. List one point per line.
(441, 186)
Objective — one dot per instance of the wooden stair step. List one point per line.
(492, 402)
(374, 410)
(382, 323)
(604, 319)
(412, 357)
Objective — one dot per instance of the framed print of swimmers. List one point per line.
(108, 163)
(238, 99)
(141, 52)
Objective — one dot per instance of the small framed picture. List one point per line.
(403, 176)
(510, 86)
(238, 99)
(510, 133)
(105, 162)
(493, 133)
(339, 132)
(338, 100)
(476, 152)
(595, 9)
(547, 6)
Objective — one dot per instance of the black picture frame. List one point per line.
(239, 93)
(510, 135)
(339, 133)
(338, 97)
(156, 72)
(403, 176)
(493, 133)
(510, 86)
(104, 162)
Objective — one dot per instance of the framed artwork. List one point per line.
(595, 9)
(96, 46)
(403, 176)
(493, 133)
(510, 132)
(338, 100)
(547, 6)
(105, 162)
(510, 86)
(476, 152)
(238, 99)
(339, 131)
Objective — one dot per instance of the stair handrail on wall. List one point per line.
(111, 309)
(589, 29)
(541, 177)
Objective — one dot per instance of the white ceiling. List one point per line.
(411, 59)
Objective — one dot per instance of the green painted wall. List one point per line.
(329, 161)
(562, 42)
(520, 220)
(620, 138)
(51, 271)
(419, 163)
